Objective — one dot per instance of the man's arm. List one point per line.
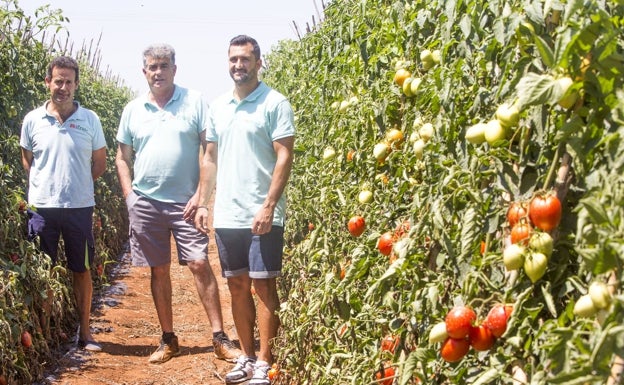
(123, 162)
(207, 181)
(27, 158)
(98, 165)
(263, 220)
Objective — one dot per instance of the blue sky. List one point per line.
(198, 30)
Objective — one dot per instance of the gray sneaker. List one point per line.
(242, 371)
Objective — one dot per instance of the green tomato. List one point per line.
(475, 134)
(584, 307)
(508, 115)
(494, 132)
(535, 265)
(599, 294)
(438, 333)
(513, 256)
(365, 196)
(541, 242)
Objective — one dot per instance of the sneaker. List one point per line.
(242, 371)
(165, 351)
(260, 375)
(224, 349)
(90, 346)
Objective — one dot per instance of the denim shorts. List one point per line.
(241, 252)
(153, 223)
(75, 225)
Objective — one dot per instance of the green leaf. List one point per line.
(535, 89)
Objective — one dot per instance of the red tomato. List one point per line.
(521, 232)
(384, 244)
(311, 226)
(453, 349)
(356, 225)
(516, 211)
(389, 343)
(459, 321)
(26, 339)
(545, 211)
(385, 376)
(273, 373)
(481, 338)
(496, 319)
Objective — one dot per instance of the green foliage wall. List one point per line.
(454, 194)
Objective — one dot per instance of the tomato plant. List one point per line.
(356, 225)
(459, 320)
(545, 211)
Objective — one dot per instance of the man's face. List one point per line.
(62, 85)
(244, 66)
(159, 73)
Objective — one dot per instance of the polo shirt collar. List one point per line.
(255, 94)
(176, 95)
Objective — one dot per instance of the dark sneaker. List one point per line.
(260, 375)
(90, 346)
(224, 349)
(165, 351)
(242, 371)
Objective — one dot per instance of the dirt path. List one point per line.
(126, 325)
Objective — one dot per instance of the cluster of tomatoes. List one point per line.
(531, 243)
(459, 331)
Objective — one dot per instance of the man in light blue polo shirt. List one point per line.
(251, 133)
(159, 140)
(63, 152)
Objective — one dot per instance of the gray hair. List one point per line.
(159, 51)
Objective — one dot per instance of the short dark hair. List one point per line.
(244, 40)
(63, 62)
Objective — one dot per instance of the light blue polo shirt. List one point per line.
(60, 173)
(166, 143)
(245, 133)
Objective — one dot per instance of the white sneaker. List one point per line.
(242, 371)
(260, 375)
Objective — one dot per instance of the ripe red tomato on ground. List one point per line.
(496, 319)
(459, 321)
(516, 211)
(385, 376)
(545, 211)
(385, 242)
(26, 339)
(481, 338)
(454, 349)
(521, 232)
(311, 226)
(389, 343)
(356, 225)
(273, 373)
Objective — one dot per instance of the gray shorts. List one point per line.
(152, 223)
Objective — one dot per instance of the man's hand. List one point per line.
(262, 222)
(201, 219)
